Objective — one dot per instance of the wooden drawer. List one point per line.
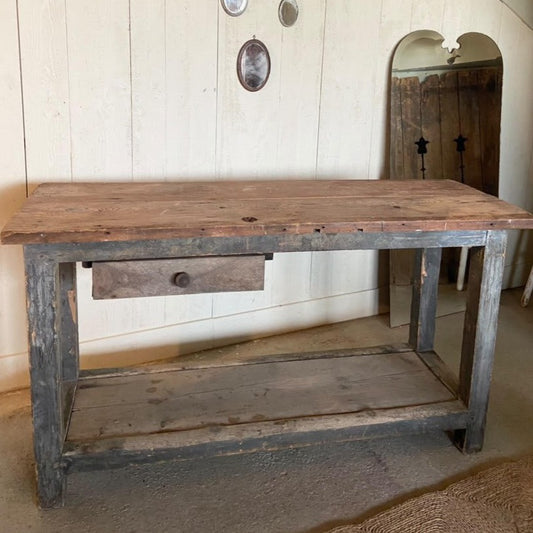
(160, 277)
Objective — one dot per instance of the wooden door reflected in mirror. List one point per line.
(445, 124)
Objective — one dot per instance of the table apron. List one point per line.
(263, 244)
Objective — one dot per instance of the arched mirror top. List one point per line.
(426, 49)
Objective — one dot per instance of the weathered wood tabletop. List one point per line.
(96, 212)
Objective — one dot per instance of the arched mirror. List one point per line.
(253, 65)
(288, 12)
(234, 7)
(445, 110)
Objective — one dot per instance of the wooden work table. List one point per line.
(145, 239)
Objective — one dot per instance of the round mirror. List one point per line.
(234, 7)
(253, 65)
(288, 12)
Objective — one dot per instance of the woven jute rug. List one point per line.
(497, 500)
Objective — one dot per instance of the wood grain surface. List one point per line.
(116, 452)
(90, 212)
(157, 277)
(181, 400)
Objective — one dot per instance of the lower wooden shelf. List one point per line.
(172, 412)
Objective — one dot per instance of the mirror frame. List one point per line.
(293, 3)
(242, 75)
(451, 297)
(242, 9)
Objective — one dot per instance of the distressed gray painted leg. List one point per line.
(69, 346)
(479, 336)
(69, 321)
(42, 291)
(424, 302)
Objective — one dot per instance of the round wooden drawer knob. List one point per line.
(182, 279)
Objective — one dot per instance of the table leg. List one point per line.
(528, 289)
(44, 321)
(424, 302)
(68, 338)
(479, 336)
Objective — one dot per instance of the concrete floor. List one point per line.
(294, 491)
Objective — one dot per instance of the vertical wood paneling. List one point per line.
(427, 15)
(486, 17)
(410, 97)
(396, 131)
(490, 116)
(13, 334)
(516, 44)
(300, 70)
(431, 126)
(191, 86)
(475, 16)
(44, 61)
(469, 123)
(457, 20)
(465, 102)
(394, 25)
(449, 122)
(100, 89)
(12, 187)
(291, 278)
(396, 18)
(348, 78)
(12, 169)
(148, 89)
(247, 139)
(335, 273)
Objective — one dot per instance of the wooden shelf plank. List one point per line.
(214, 397)
(263, 436)
(207, 359)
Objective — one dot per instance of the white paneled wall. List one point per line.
(12, 192)
(45, 77)
(147, 90)
(100, 91)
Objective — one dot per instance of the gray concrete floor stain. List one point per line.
(306, 490)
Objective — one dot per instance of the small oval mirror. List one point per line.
(253, 65)
(288, 12)
(234, 7)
